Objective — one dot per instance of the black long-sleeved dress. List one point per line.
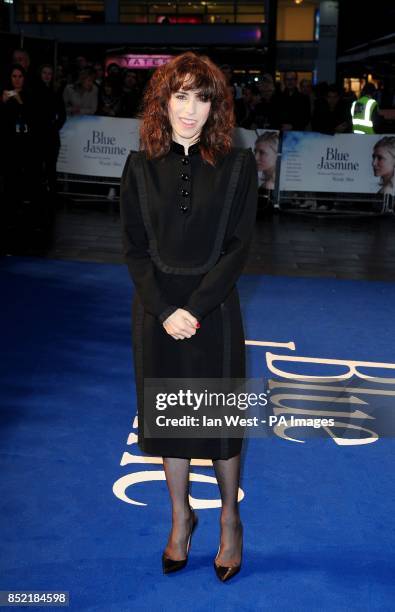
(187, 228)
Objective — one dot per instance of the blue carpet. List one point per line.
(318, 517)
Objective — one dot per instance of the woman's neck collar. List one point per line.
(176, 147)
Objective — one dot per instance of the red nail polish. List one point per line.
(197, 324)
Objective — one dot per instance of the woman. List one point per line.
(266, 147)
(109, 101)
(18, 160)
(81, 98)
(383, 162)
(17, 107)
(188, 208)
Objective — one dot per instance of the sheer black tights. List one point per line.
(227, 472)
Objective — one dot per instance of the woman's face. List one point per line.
(188, 112)
(46, 74)
(129, 79)
(17, 80)
(383, 162)
(265, 157)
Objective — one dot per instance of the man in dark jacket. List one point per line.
(50, 115)
(331, 114)
(294, 106)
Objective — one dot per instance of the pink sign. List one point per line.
(137, 61)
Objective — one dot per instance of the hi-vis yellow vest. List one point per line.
(361, 113)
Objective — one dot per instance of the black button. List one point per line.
(183, 208)
(185, 161)
(184, 176)
(185, 193)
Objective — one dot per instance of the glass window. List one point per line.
(130, 11)
(60, 11)
(296, 21)
(250, 12)
(220, 12)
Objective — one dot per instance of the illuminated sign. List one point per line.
(137, 61)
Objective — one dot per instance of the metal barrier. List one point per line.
(333, 203)
(83, 188)
(95, 189)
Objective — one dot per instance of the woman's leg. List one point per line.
(227, 472)
(177, 478)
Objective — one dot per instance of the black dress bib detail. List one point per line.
(138, 162)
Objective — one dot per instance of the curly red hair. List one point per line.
(189, 71)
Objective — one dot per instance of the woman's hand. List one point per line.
(181, 324)
(8, 95)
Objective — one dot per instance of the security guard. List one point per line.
(364, 112)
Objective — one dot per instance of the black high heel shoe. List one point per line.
(224, 572)
(173, 565)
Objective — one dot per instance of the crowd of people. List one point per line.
(34, 105)
(32, 113)
(289, 105)
(87, 90)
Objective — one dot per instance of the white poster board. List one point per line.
(347, 163)
(96, 146)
